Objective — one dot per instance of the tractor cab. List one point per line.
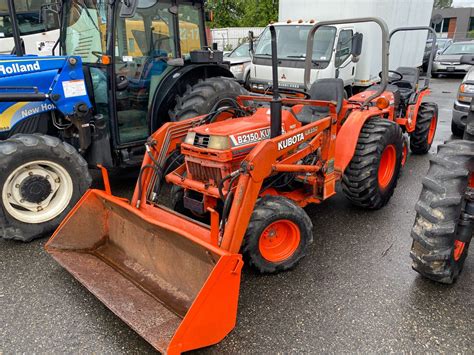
(130, 50)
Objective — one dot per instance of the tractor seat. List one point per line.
(322, 90)
(409, 82)
(395, 90)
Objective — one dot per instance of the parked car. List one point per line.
(427, 53)
(442, 44)
(448, 62)
(240, 60)
(462, 103)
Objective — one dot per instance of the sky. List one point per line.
(463, 3)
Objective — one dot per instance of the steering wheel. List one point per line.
(391, 79)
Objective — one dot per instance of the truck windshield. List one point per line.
(28, 17)
(291, 42)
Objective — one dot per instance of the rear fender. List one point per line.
(346, 141)
(412, 112)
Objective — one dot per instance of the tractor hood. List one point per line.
(237, 125)
(240, 131)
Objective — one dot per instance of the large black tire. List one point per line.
(60, 161)
(421, 139)
(268, 211)
(201, 98)
(457, 131)
(361, 183)
(438, 211)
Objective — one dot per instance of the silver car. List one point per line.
(239, 60)
(462, 103)
(448, 62)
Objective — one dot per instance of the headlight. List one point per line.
(219, 142)
(237, 69)
(465, 92)
(190, 138)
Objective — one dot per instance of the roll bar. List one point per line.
(433, 48)
(385, 50)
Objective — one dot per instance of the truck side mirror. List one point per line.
(356, 50)
(467, 59)
(215, 46)
(129, 7)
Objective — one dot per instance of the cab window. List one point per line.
(344, 47)
(190, 28)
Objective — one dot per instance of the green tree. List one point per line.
(242, 13)
(259, 12)
(441, 4)
(226, 13)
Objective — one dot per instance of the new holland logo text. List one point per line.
(290, 141)
(19, 68)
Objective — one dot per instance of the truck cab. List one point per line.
(332, 55)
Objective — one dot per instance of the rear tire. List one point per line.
(457, 131)
(371, 177)
(438, 211)
(422, 137)
(41, 179)
(201, 98)
(277, 236)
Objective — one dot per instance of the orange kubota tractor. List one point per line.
(174, 275)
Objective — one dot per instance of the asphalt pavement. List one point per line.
(355, 291)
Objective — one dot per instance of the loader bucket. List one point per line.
(153, 268)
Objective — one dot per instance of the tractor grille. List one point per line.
(204, 173)
(201, 140)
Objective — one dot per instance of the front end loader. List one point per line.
(247, 170)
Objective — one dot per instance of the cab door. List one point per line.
(143, 45)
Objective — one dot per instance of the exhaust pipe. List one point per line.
(275, 104)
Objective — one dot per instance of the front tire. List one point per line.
(372, 175)
(41, 179)
(457, 131)
(422, 137)
(201, 98)
(435, 251)
(278, 235)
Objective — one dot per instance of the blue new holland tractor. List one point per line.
(125, 68)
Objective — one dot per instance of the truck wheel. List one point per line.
(277, 236)
(457, 131)
(201, 98)
(436, 252)
(41, 180)
(371, 177)
(423, 135)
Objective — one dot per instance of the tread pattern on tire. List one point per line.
(200, 98)
(14, 146)
(360, 180)
(266, 208)
(438, 210)
(419, 138)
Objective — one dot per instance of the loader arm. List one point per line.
(277, 154)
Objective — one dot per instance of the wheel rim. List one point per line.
(432, 131)
(37, 192)
(387, 166)
(279, 240)
(404, 153)
(458, 249)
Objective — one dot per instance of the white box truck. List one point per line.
(332, 45)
